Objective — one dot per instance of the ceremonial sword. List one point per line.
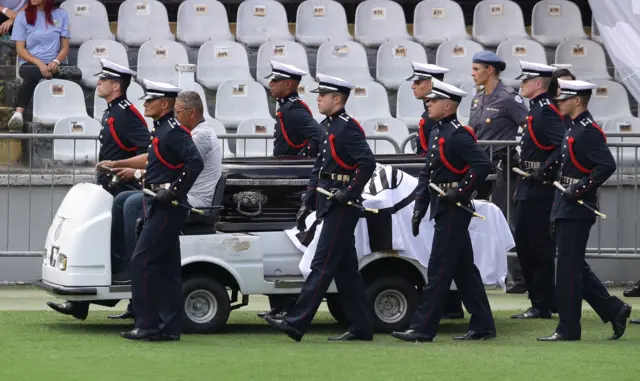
(350, 203)
(458, 204)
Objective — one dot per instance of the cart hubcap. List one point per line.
(390, 306)
(200, 306)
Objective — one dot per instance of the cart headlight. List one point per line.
(62, 262)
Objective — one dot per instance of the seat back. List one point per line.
(609, 100)
(368, 100)
(586, 57)
(436, 21)
(378, 21)
(554, 21)
(134, 93)
(219, 129)
(55, 99)
(624, 156)
(240, 100)
(497, 20)
(88, 20)
(157, 60)
(318, 21)
(139, 22)
(81, 151)
(91, 52)
(514, 50)
(408, 109)
(389, 127)
(288, 52)
(255, 147)
(202, 20)
(343, 59)
(464, 108)
(258, 21)
(457, 56)
(394, 58)
(221, 61)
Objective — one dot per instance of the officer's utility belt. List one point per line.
(334, 176)
(530, 165)
(445, 186)
(156, 187)
(564, 180)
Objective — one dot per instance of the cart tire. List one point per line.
(393, 300)
(206, 305)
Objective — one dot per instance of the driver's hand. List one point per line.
(124, 173)
(106, 163)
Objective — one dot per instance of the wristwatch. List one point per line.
(137, 174)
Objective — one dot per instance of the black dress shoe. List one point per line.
(140, 334)
(127, 314)
(619, 324)
(636, 321)
(532, 313)
(477, 335)
(164, 337)
(412, 335)
(77, 310)
(517, 289)
(271, 312)
(557, 337)
(349, 336)
(285, 327)
(632, 291)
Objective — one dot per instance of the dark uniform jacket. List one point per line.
(542, 135)
(454, 160)
(345, 161)
(424, 129)
(585, 162)
(173, 157)
(296, 132)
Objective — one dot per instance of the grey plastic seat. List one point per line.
(609, 100)
(343, 59)
(240, 100)
(259, 21)
(464, 108)
(368, 100)
(586, 57)
(495, 21)
(555, 21)
(457, 56)
(514, 50)
(221, 61)
(255, 147)
(624, 156)
(139, 22)
(393, 65)
(202, 20)
(134, 93)
(88, 20)
(378, 21)
(78, 151)
(437, 21)
(219, 129)
(408, 109)
(319, 21)
(595, 32)
(157, 60)
(288, 52)
(55, 99)
(91, 52)
(388, 127)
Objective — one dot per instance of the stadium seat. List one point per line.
(240, 100)
(55, 99)
(495, 21)
(318, 21)
(586, 57)
(464, 108)
(624, 156)
(259, 21)
(310, 99)
(157, 60)
(289, 52)
(457, 56)
(219, 129)
(221, 61)
(514, 50)
(378, 21)
(343, 59)
(555, 21)
(368, 100)
(393, 65)
(255, 147)
(389, 127)
(78, 151)
(595, 33)
(87, 20)
(134, 93)
(91, 52)
(437, 21)
(609, 100)
(408, 109)
(139, 22)
(202, 20)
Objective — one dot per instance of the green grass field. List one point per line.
(38, 345)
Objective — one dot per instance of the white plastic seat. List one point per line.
(464, 108)
(394, 58)
(139, 22)
(221, 61)
(202, 20)
(514, 50)
(240, 100)
(368, 100)
(555, 21)
(624, 156)
(408, 109)
(586, 57)
(91, 52)
(495, 21)
(259, 21)
(343, 59)
(437, 21)
(255, 147)
(78, 151)
(608, 101)
(288, 52)
(55, 99)
(88, 20)
(134, 93)
(378, 21)
(219, 129)
(157, 60)
(595, 32)
(318, 21)
(457, 56)
(389, 127)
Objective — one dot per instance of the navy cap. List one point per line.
(111, 70)
(570, 89)
(489, 58)
(328, 84)
(441, 90)
(426, 71)
(155, 90)
(532, 70)
(280, 71)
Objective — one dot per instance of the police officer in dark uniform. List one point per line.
(344, 165)
(457, 164)
(534, 194)
(584, 163)
(497, 111)
(173, 164)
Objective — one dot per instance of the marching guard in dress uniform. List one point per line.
(344, 165)
(534, 192)
(457, 164)
(585, 163)
(173, 164)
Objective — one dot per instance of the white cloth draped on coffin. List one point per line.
(392, 188)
